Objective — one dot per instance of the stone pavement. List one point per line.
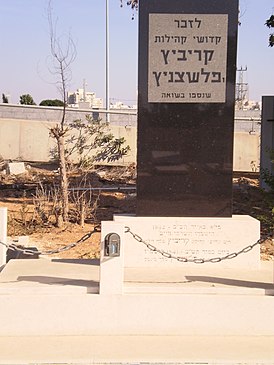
(202, 350)
(51, 313)
(76, 276)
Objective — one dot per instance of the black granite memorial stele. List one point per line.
(186, 92)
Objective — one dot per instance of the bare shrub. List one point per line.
(84, 203)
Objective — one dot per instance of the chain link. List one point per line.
(195, 260)
(139, 239)
(27, 251)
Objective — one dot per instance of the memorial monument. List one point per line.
(187, 68)
(186, 94)
(147, 303)
(267, 140)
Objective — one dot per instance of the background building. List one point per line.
(84, 99)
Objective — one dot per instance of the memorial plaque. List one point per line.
(187, 58)
(192, 239)
(187, 69)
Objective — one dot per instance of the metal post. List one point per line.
(107, 60)
(3, 235)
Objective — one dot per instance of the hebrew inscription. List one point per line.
(188, 240)
(187, 58)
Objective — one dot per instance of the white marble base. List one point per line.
(191, 238)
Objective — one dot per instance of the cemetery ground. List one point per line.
(33, 204)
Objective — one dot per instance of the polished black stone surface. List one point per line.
(185, 150)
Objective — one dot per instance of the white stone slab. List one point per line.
(16, 168)
(49, 277)
(23, 240)
(149, 350)
(191, 238)
(54, 298)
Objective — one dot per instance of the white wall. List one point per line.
(30, 141)
(246, 152)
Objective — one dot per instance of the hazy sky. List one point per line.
(25, 48)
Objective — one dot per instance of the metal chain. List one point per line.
(27, 251)
(195, 260)
(138, 238)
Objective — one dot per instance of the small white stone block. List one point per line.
(23, 240)
(191, 238)
(16, 168)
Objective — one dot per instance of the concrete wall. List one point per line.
(245, 120)
(24, 133)
(246, 155)
(30, 140)
(53, 114)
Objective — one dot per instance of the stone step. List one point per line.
(148, 350)
(60, 298)
(209, 279)
(57, 276)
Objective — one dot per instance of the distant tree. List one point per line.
(50, 102)
(270, 24)
(132, 3)
(27, 99)
(5, 100)
(63, 53)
